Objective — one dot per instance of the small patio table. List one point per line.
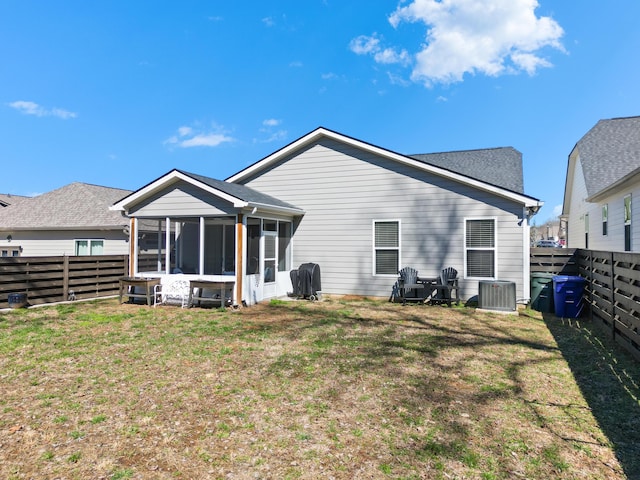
(128, 285)
(201, 285)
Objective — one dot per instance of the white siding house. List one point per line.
(359, 211)
(348, 189)
(603, 187)
(72, 220)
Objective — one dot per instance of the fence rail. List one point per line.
(612, 289)
(55, 279)
(559, 261)
(613, 294)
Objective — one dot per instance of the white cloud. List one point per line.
(364, 45)
(389, 55)
(184, 131)
(188, 137)
(32, 108)
(329, 76)
(557, 211)
(271, 134)
(397, 80)
(269, 21)
(492, 37)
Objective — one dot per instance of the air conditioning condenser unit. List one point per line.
(497, 295)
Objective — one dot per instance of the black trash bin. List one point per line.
(567, 295)
(542, 292)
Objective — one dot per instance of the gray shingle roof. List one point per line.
(239, 191)
(77, 205)
(501, 166)
(7, 199)
(609, 152)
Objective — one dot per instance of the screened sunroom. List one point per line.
(208, 230)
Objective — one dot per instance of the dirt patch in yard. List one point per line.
(334, 389)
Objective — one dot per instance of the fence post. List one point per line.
(591, 282)
(126, 266)
(65, 278)
(613, 298)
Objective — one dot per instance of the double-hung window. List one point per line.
(89, 247)
(480, 248)
(386, 247)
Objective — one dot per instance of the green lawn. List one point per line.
(333, 389)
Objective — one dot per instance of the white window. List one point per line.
(627, 223)
(89, 247)
(284, 246)
(586, 230)
(386, 247)
(605, 218)
(480, 248)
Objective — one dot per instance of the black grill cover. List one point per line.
(306, 280)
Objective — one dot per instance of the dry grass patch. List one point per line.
(332, 389)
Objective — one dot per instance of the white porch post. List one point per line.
(201, 253)
(167, 248)
(159, 254)
(133, 245)
(240, 235)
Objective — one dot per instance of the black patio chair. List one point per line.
(446, 285)
(410, 287)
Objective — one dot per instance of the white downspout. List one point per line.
(526, 261)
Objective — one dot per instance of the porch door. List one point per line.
(269, 264)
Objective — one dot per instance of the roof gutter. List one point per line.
(263, 207)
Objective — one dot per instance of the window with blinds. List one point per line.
(386, 247)
(480, 248)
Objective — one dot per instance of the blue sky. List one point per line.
(118, 92)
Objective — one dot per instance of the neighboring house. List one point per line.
(359, 211)
(602, 186)
(72, 220)
(7, 199)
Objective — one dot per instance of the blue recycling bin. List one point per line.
(567, 295)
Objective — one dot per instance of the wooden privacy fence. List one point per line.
(613, 293)
(559, 261)
(612, 289)
(56, 279)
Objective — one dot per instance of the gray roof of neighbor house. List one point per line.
(241, 192)
(7, 199)
(74, 206)
(501, 166)
(609, 152)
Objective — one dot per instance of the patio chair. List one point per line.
(447, 283)
(173, 291)
(410, 287)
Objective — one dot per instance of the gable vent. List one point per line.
(497, 295)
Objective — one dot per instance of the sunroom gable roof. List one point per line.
(239, 196)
